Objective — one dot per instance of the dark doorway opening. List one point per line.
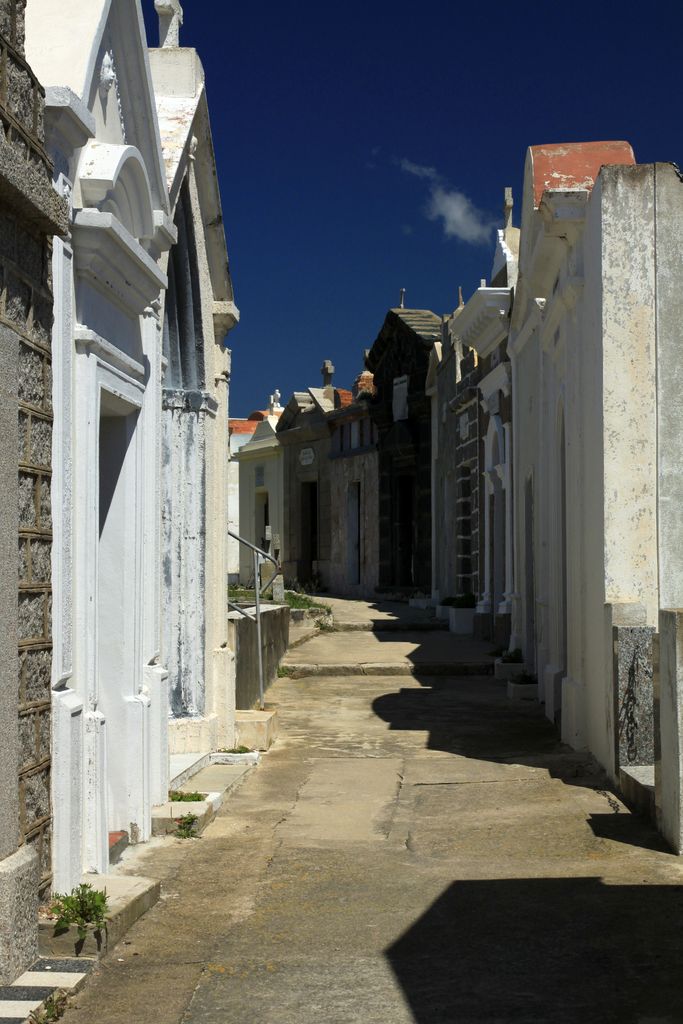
(404, 538)
(353, 538)
(309, 531)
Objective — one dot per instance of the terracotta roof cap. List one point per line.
(574, 165)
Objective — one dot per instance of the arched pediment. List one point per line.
(113, 179)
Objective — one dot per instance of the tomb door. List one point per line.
(118, 590)
(353, 534)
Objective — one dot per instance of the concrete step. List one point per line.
(129, 897)
(637, 785)
(399, 668)
(385, 626)
(215, 781)
(183, 766)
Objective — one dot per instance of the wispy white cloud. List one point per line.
(459, 217)
(419, 170)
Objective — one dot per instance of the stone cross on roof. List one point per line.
(170, 19)
(327, 370)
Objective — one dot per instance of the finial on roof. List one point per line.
(170, 19)
(461, 303)
(402, 299)
(507, 208)
(327, 370)
(274, 403)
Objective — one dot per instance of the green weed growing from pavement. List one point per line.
(81, 907)
(53, 1009)
(187, 827)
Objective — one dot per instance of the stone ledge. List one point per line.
(637, 786)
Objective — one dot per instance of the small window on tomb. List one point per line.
(400, 398)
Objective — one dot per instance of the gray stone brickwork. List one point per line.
(30, 214)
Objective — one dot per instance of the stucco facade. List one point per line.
(354, 502)
(260, 463)
(198, 312)
(583, 348)
(304, 436)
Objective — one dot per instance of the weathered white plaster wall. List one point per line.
(110, 698)
(583, 349)
(197, 441)
(360, 469)
(264, 454)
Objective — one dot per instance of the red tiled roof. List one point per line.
(345, 397)
(574, 164)
(242, 426)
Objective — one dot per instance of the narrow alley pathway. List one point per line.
(415, 848)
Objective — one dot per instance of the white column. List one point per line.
(67, 705)
(85, 574)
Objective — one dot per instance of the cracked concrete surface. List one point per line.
(410, 852)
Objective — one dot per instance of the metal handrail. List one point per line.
(258, 592)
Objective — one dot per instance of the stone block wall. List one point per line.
(26, 308)
(30, 214)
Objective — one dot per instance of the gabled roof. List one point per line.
(242, 426)
(424, 325)
(421, 321)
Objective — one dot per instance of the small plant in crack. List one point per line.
(177, 796)
(53, 1009)
(187, 827)
(81, 907)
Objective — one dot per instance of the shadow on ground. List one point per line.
(560, 950)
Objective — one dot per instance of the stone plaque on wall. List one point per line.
(306, 457)
(633, 693)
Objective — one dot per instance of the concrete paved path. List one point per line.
(410, 852)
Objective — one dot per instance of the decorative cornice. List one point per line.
(189, 401)
(484, 321)
(114, 262)
(499, 379)
(226, 315)
(90, 341)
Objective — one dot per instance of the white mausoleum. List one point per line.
(110, 690)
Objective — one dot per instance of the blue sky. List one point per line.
(365, 147)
